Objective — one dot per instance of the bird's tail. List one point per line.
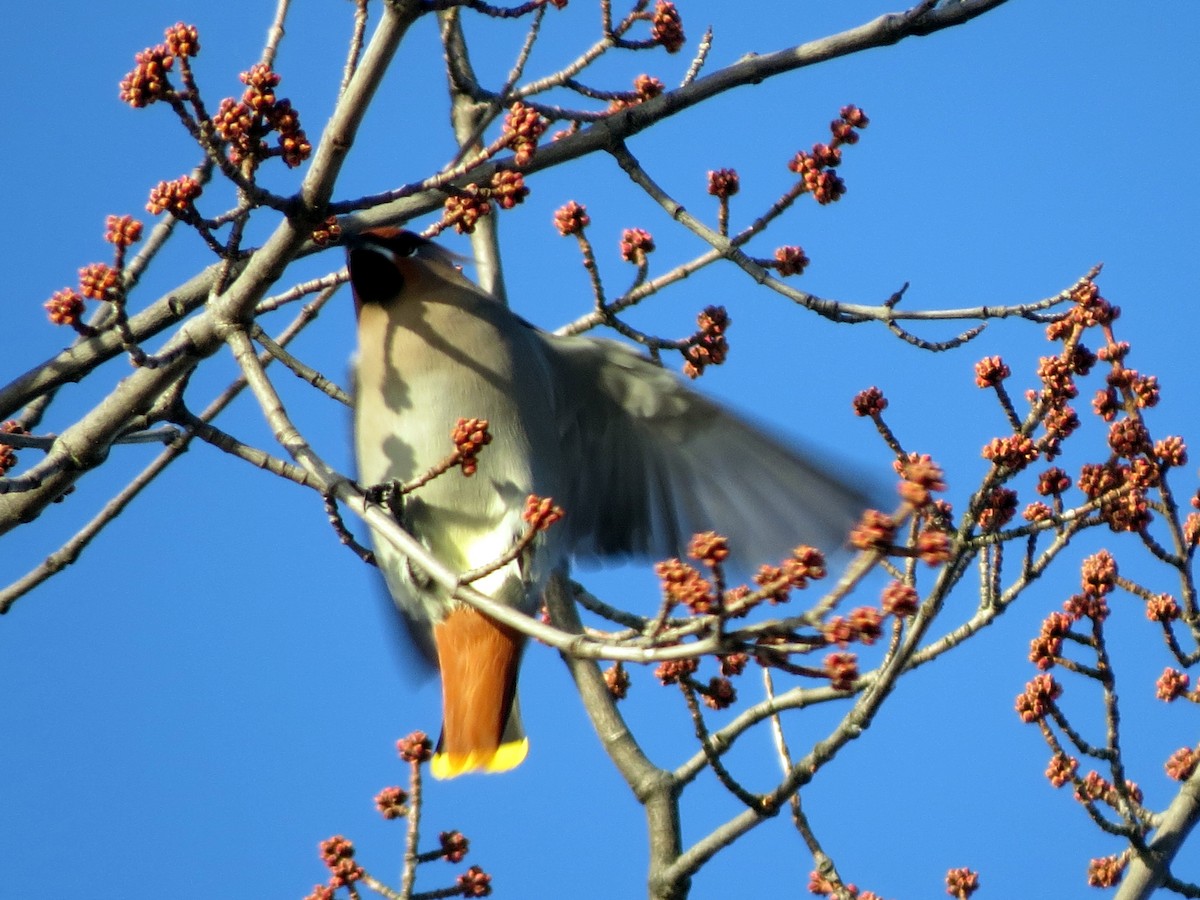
(481, 720)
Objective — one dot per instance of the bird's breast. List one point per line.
(422, 369)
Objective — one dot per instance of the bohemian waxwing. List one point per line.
(638, 461)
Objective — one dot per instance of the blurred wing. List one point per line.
(660, 462)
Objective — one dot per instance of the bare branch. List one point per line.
(72, 549)
(275, 33)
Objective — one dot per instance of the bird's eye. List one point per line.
(407, 244)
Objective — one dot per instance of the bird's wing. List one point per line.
(658, 462)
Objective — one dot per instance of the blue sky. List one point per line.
(216, 685)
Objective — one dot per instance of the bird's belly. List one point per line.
(465, 521)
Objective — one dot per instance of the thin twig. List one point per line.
(275, 33)
(305, 372)
(832, 309)
(712, 751)
(699, 59)
(412, 832)
(73, 548)
(356, 44)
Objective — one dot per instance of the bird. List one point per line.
(637, 459)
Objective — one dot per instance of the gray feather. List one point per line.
(655, 462)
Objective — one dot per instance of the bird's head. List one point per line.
(384, 262)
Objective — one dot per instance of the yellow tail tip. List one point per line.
(505, 757)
